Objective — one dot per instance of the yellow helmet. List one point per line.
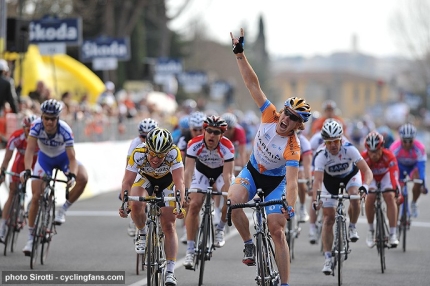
(300, 106)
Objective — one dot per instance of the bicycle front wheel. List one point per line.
(380, 235)
(37, 235)
(151, 256)
(47, 230)
(403, 227)
(263, 278)
(203, 246)
(290, 235)
(341, 227)
(11, 224)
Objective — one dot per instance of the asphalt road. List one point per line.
(94, 238)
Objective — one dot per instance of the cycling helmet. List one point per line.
(183, 123)
(196, 119)
(299, 106)
(159, 140)
(215, 121)
(329, 104)
(331, 129)
(51, 106)
(27, 120)
(407, 131)
(230, 118)
(374, 141)
(147, 125)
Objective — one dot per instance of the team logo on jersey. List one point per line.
(241, 181)
(338, 167)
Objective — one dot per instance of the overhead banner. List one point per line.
(53, 30)
(105, 47)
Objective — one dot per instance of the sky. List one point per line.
(298, 27)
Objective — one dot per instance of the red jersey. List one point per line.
(239, 136)
(18, 141)
(387, 163)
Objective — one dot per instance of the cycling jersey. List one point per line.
(387, 164)
(408, 160)
(18, 141)
(209, 162)
(338, 168)
(239, 136)
(134, 143)
(305, 146)
(160, 176)
(183, 140)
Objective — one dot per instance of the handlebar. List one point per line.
(48, 179)
(208, 190)
(257, 204)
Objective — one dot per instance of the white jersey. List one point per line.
(340, 165)
(52, 146)
(136, 141)
(305, 145)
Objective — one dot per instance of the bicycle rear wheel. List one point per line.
(340, 248)
(11, 224)
(37, 235)
(48, 230)
(380, 236)
(203, 246)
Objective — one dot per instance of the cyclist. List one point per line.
(157, 162)
(209, 156)
(55, 140)
(18, 141)
(335, 163)
(273, 165)
(236, 134)
(385, 171)
(412, 157)
(145, 126)
(195, 124)
(305, 172)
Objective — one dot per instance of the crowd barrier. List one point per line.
(105, 163)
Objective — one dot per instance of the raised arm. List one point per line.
(249, 76)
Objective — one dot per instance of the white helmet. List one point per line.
(196, 119)
(230, 118)
(407, 131)
(147, 125)
(331, 129)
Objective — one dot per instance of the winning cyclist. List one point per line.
(412, 157)
(273, 165)
(209, 156)
(338, 162)
(55, 140)
(385, 171)
(157, 162)
(18, 141)
(145, 126)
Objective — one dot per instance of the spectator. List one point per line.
(39, 94)
(7, 89)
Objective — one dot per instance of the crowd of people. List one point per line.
(283, 153)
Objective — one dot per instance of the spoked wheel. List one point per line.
(203, 246)
(11, 224)
(340, 249)
(380, 234)
(140, 263)
(151, 257)
(290, 238)
(37, 237)
(404, 223)
(48, 232)
(20, 222)
(262, 257)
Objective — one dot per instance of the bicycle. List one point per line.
(405, 216)
(382, 229)
(154, 257)
(340, 248)
(205, 243)
(267, 272)
(44, 227)
(17, 217)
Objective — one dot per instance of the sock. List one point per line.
(220, 225)
(170, 266)
(30, 233)
(142, 231)
(312, 227)
(248, 241)
(66, 205)
(190, 246)
(302, 207)
(351, 225)
(327, 255)
(392, 230)
(371, 227)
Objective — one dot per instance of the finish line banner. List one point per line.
(63, 277)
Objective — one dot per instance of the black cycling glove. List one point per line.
(238, 48)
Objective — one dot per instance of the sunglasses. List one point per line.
(48, 118)
(159, 156)
(197, 129)
(292, 116)
(407, 141)
(335, 141)
(214, 132)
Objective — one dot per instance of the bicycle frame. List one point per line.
(340, 248)
(154, 257)
(267, 272)
(205, 243)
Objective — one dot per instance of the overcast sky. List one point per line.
(299, 27)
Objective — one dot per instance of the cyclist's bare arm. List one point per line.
(292, 175)
(178, 180)
(7, 156)
(249, 76)
(227, 170)
(127, 181)
(73, 163)
(29, 152)
(318, 179)
(190, 164)
(365, 170)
